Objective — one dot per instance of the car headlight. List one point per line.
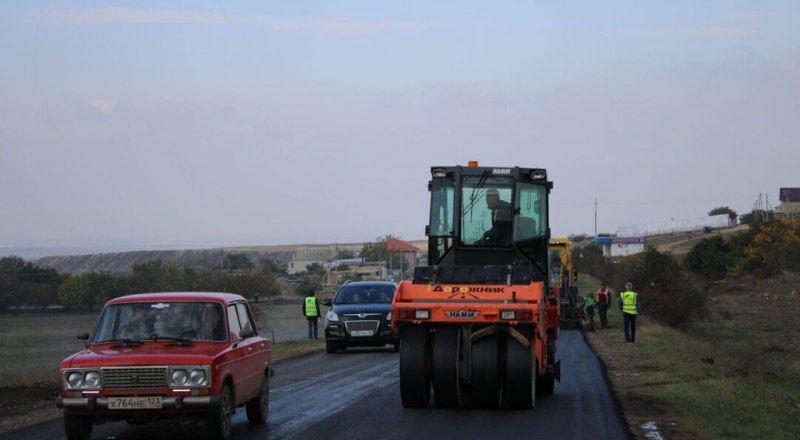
(188, 376)
(82, 379)
(178, 378)
(75, 379)
(330, 316)
(197, 377)
(92, 379)
(389, 316)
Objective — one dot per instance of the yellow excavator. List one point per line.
(563, 275)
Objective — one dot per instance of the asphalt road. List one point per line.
(355, 395)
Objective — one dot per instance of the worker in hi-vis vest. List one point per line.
(630, 306)
(311, 312)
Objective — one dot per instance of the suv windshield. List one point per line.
(199, 321)
(355, 294)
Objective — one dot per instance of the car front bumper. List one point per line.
(101, 403)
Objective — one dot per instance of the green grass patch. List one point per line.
(586, 283)
(282, 350)
(733, 376)
(33, 345)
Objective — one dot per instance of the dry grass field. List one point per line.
(735, 374)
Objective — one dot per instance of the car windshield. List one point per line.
(193, 321)
(380, 294)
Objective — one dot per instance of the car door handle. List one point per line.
(249, 349)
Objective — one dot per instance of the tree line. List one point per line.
(25, 284)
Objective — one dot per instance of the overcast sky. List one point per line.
(207, 123)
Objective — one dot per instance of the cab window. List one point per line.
(531, 204)
(233, 323)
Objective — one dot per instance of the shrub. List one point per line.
(774, 245)
(710, 258)
(669, 295)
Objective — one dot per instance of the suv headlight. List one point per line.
(389, 316)
(331, 317)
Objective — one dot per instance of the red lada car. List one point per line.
(160, 355)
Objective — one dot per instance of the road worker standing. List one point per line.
(311, 312)
(630, 306)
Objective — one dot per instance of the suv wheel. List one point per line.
(330, 347)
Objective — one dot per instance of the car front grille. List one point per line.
(134, 377)
(361, 325)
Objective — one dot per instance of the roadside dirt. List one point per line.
(22, 406)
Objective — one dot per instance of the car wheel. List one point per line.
(77, 427)
(218, 420)
(330, 347)
(258, 407)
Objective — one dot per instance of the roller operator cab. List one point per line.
(478, 325)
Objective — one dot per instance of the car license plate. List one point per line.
(147, 402)
(362, 333)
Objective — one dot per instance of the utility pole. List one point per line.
(595, 218)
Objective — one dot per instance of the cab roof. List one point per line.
(178, 296)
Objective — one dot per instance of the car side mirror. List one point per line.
(84, 337)
(327, 302)
(247, 333)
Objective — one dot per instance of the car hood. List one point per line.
(361, 308)
(149, 353)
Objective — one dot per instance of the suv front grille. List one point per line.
(361, 325)
(134, 377)
(357, 316)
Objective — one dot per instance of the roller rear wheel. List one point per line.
(446, 366)
(520, 390)
(486, 383)
(415, 367)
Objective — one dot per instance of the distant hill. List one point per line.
(123, 262)
(678, 243)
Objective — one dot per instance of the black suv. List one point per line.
(360, 316)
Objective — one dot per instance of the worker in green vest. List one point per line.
(630, 306)
(589, 305)
(311, 312)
